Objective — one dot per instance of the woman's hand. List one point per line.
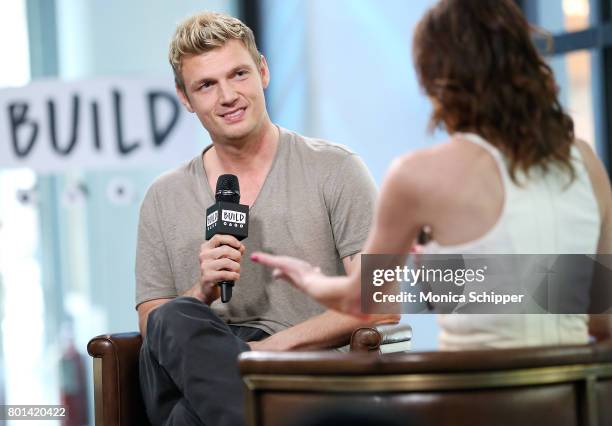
(333, 292)
(295, 271)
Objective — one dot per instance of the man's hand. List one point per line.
(219, 261)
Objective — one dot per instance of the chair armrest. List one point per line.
(118, 400)
(384, 338)
(107, 344)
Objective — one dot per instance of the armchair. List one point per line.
(117, 394)
(561, 386)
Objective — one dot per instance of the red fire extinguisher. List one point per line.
(73, 384)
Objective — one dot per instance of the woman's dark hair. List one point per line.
(475, 59)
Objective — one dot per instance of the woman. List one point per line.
(511, 179)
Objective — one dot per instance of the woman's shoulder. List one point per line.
(444, 164)
(591, 162)
(594, 167)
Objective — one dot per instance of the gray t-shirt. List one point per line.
(316, 204)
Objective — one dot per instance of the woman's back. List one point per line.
(481, 210)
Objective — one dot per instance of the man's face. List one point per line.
(224, 87)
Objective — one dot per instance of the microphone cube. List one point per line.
(228, 219)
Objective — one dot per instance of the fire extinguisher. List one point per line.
(73, 384)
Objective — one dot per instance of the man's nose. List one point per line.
(227, 94)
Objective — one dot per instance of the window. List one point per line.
(581, 57)
(21, 293)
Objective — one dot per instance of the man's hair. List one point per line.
(204, 32)
(476, 60)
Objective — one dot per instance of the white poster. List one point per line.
(51, 125)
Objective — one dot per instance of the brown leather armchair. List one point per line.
(117, 396)
(561, 386)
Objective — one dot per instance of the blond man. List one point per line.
(308, 198)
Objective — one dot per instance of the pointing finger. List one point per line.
(267, 259)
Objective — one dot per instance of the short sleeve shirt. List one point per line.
(316, 204)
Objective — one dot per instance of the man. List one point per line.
(308, 198)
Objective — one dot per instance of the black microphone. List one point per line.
(227, 217)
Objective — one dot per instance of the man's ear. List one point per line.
(183, 98)
(264, 72)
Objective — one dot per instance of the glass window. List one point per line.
(573, 72)
(564, 16)
(21, 295)
(14, 43)
(21, 291)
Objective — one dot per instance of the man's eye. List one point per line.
(241, 73)
(206, 85)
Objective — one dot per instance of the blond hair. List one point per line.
(204, 32)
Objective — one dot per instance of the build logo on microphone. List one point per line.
(233, 218)
(227, 218)
(212, 218)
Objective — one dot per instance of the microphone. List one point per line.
(227, 217)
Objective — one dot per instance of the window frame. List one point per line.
(598, 40)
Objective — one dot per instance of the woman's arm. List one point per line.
(397, 221)
(600, 326)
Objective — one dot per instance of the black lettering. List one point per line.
(124, 148)
(160, 133)
(95, 120)
(53, 129)
(18, 113)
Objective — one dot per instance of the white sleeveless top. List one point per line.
(543, 216)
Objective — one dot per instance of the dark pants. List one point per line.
(188, 366)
